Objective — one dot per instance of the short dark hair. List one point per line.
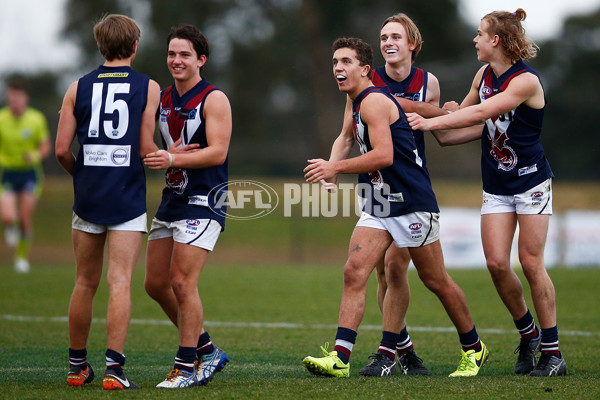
(17, 83)
(364, 53)
(194, 35)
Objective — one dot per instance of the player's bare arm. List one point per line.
(472, 97)
(451, 137)
(65, 134)
(519, 90)
(217, 116)
(428, 109)
(378, 112)
(345, 141)
(433, 90)
(148, 123)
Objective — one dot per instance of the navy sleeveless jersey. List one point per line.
(190, 193)
(109, 179)
(414, 88)
(408, 180)
(512, 156)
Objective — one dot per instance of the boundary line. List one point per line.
(275, 325)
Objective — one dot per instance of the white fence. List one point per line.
(573, 239)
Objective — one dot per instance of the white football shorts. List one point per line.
(201, 233)
(411, 230)
(138, 224)
(537, 200)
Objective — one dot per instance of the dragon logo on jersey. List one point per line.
(505, 155)
(376, 179)
(176, 179)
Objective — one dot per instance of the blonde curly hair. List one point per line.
(507, 25)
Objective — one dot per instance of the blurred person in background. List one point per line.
(24, 144)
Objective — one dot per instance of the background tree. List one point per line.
(273, 59)
(571, 72)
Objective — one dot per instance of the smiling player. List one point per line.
(399, 206)
(189, 219)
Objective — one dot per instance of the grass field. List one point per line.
(271, 297)
(269, 318)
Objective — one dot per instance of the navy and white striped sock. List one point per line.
(78, 358)
(115, 360)
(344, 342)
(527, 327)
(205, 345)
(404, 343)
(388, 344)
(186, 356)
(550, 341)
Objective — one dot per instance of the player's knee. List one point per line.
(395, 277)
(181, 288)
(155, 289)
(432, 284)
(87, 285)
(530, 262)
(354, 275)
(497, 266)
(533, 269)
(435, 282)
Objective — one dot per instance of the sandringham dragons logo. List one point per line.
(176, 179)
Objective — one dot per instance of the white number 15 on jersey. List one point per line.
(110, 107)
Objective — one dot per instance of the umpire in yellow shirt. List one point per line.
(24, 143)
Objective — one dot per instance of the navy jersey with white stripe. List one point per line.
(109, 179)
(413, 87)
(408, 180)
(190, 193)
(512, 157)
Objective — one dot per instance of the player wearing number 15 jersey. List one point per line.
(111, 110)
(111, 100)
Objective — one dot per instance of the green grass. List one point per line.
(266, 360)
(287, 271)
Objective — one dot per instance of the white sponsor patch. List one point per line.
(198, 201)
(106, 155)
(396, 197)
(528, 170)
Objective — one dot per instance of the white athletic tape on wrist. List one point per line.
(168, 155)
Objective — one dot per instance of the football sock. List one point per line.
(527, 327)
(404, 343)
(11, 234)
(23, 247)
(550, 341)
(78, 358)
(388, 344)
(470, 340)
(115, 360)
(344, 342)
(186, 356)
(205, 345)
